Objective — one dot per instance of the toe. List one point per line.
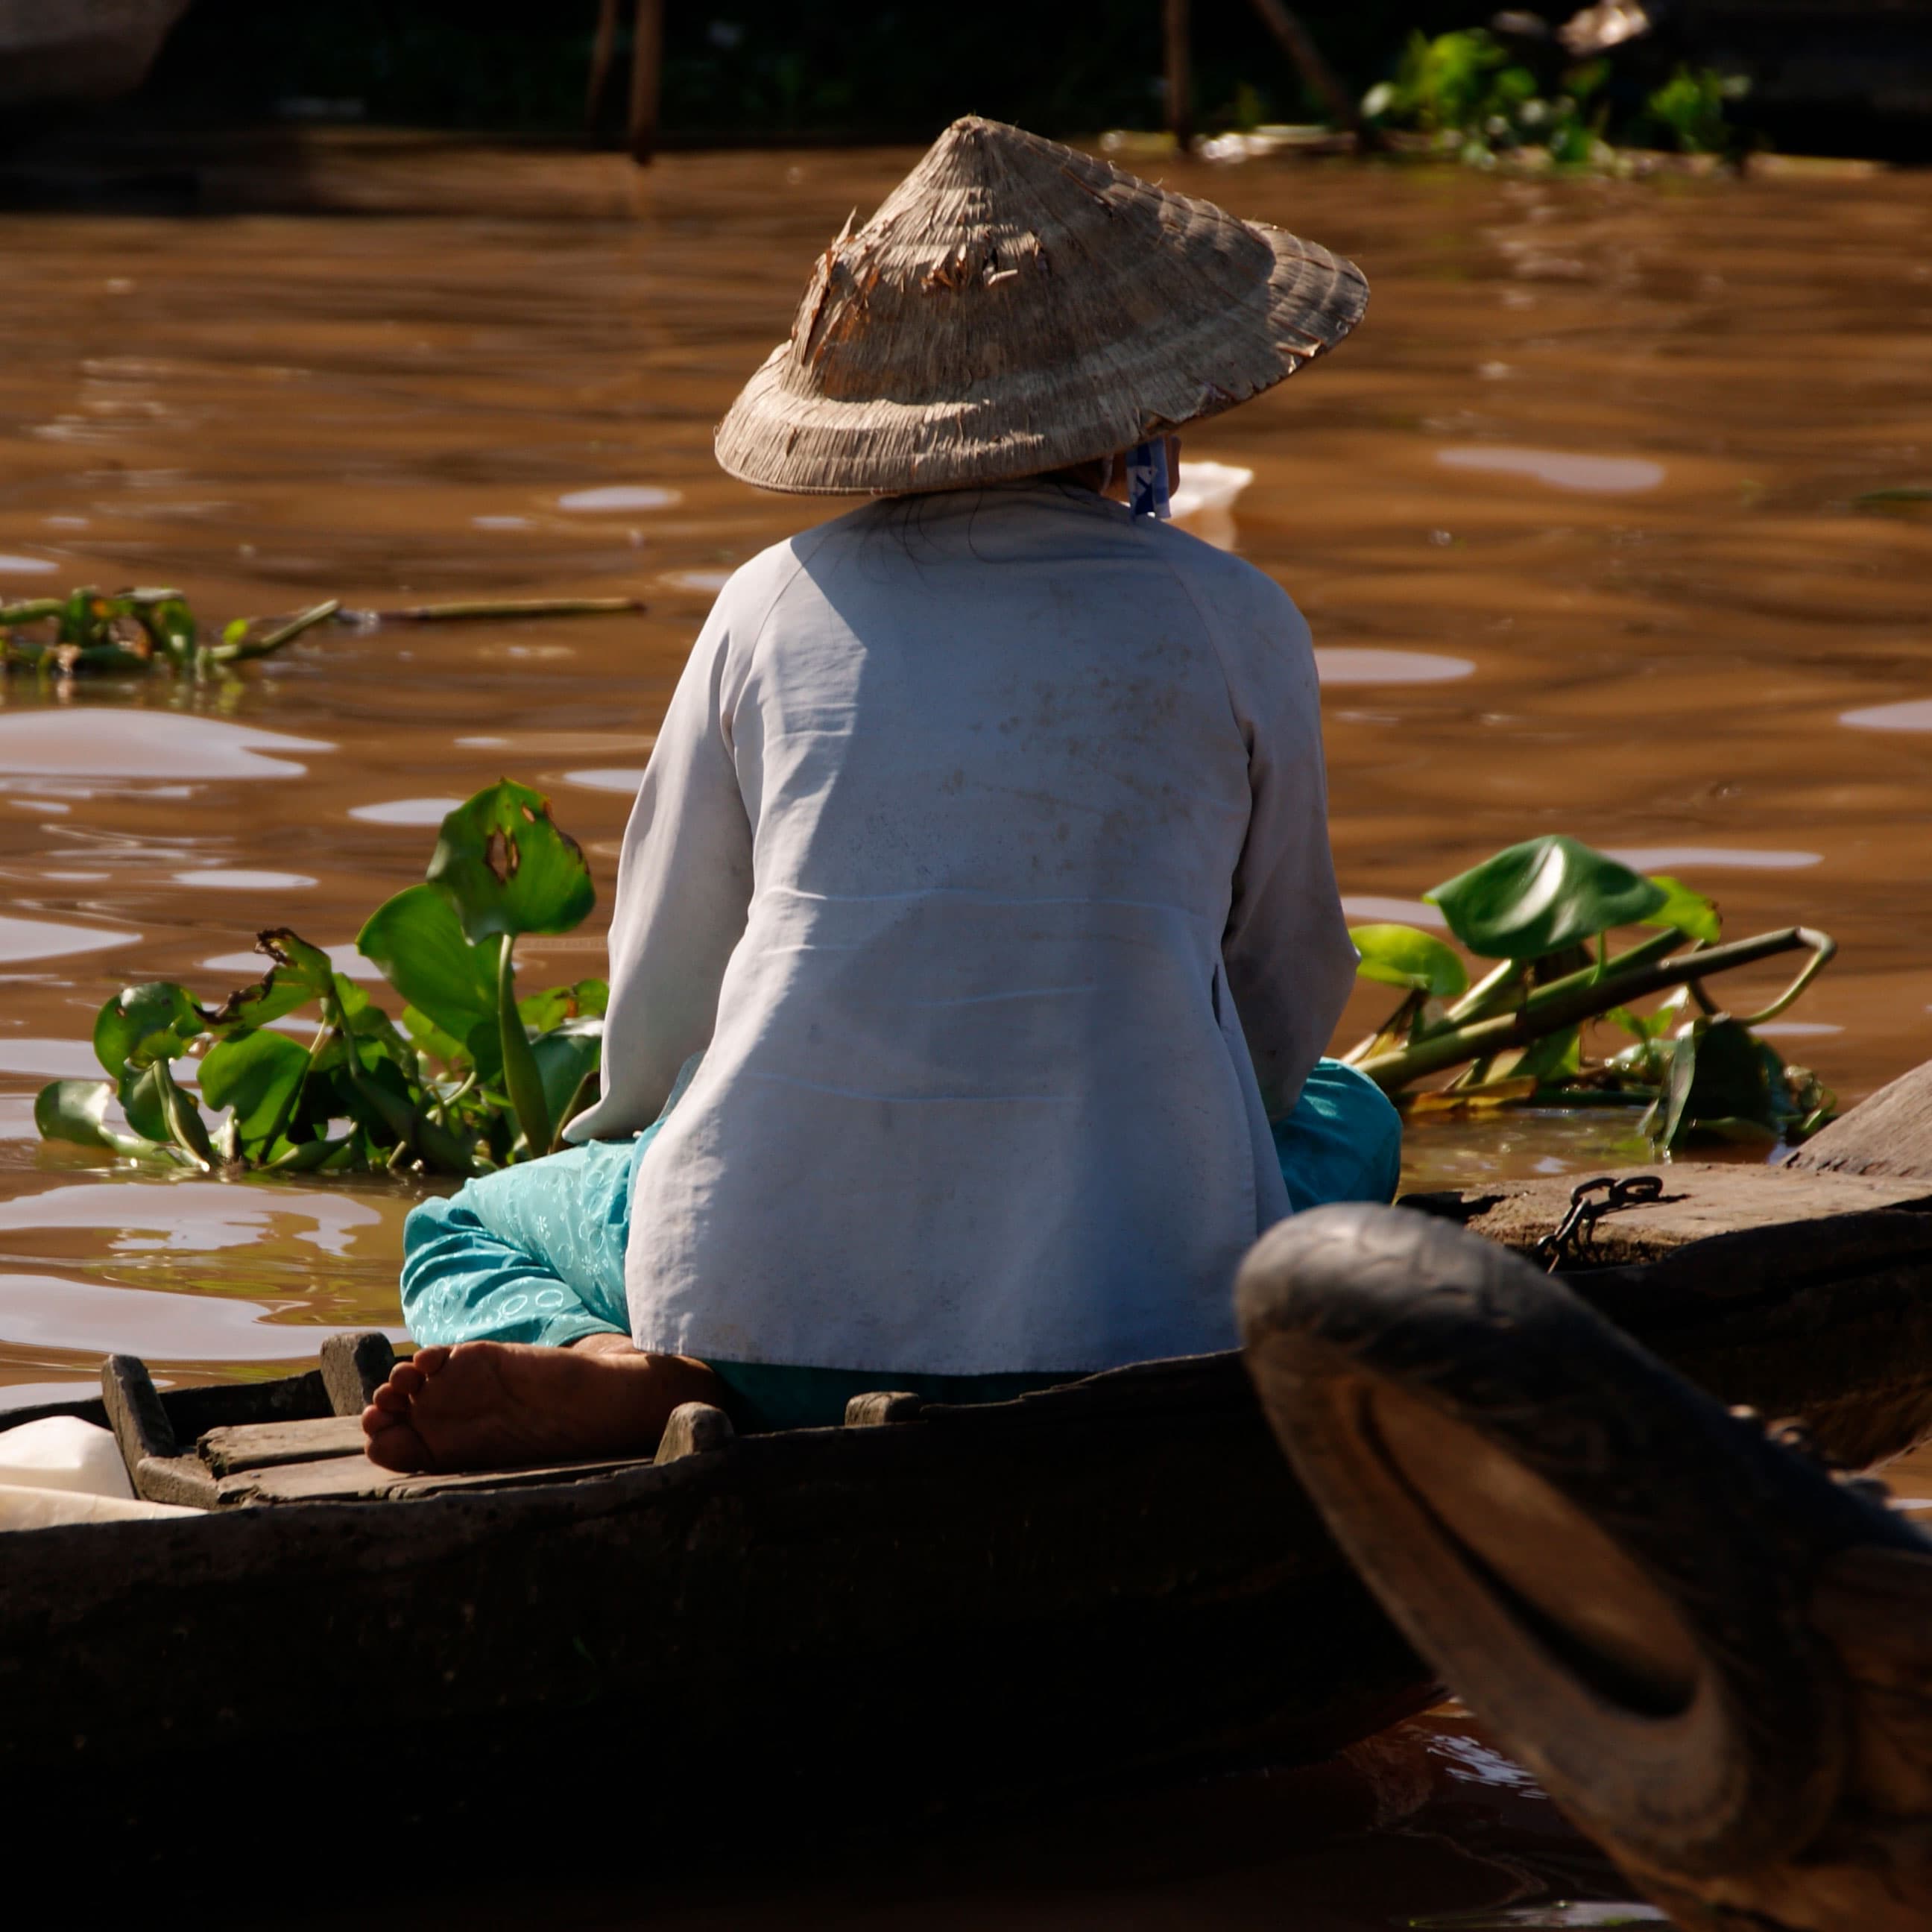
(399, 1447)
(427, 1361)
(375, 1418)
(406, 1380)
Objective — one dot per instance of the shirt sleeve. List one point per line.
(1290, 962)
(684, 888)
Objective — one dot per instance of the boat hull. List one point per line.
(1117, 1576)
(80, 50)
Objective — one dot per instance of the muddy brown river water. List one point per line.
(1577, 520)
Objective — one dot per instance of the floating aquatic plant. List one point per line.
(468, 1078)
(1544, 910)
(1467, 93)
(91, 631)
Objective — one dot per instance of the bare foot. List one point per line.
(496, 1404)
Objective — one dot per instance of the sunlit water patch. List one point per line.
(1349, 664)
(1716, 858)
(1366, 909)
(1914, 714)
(23, 939)
(60, 1312)
(94, 742)
(405, 810)
(200, 1216)
(239, 879)
(1560, 469)
(607, 778)
(50, 1059)
(615, 496)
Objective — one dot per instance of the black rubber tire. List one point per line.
(1607, 1567)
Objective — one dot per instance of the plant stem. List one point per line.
(519, 1063)
(273, 641)
(1575, 998)
(477, 609)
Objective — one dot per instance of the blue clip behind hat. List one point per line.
(1147, 479)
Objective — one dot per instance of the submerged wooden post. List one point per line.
(603, 51)
(1179, 80)
(1299, 46)
(646, 80)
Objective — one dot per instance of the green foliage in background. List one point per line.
(1470, 97)
(470, 1078)
(1544, 910)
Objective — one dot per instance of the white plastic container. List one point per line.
(60, 1452)
(51, 1509)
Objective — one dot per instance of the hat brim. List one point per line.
(1147, 383)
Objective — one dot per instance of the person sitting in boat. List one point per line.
(976, 937)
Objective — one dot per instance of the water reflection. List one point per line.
(59, 1312)
(405, 812)
(622, 497)
(28, 566)
(1560, 470)
(1365, 909)
(96, 741)
(1717, 858)
(1913, 715)
(50, 1059)
(22, 939)
(1347, 663)
(197, 1216)
(609, 777)
(241, 879)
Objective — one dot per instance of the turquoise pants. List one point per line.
(535, 1253)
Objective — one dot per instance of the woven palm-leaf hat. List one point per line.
(1015, 306)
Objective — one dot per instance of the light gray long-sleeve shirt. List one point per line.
(983, 852)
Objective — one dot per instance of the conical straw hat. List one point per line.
(1015, 307)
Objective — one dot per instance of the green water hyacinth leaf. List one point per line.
(1725, 1083)
(1542, 895)
(156, 1020)
(297, 963)
(276, 994)
(76, 1111)
(507, 868)
(1690, 913)
(1404, 955)
(415, 941)
(563, 1057)
(144, 1101)
(258, 1075)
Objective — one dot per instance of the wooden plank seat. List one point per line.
(320, 1458)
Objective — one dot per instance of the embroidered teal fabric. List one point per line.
(535, 1253)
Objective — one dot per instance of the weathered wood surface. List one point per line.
(1700, 1201)
(1888, 1134)
(1127, 1561)
(1805, 1295)
(353, 1367)
(262, 1445)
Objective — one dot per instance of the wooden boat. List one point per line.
(1716, 1656)
(80, 50)
(1128, 1553)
